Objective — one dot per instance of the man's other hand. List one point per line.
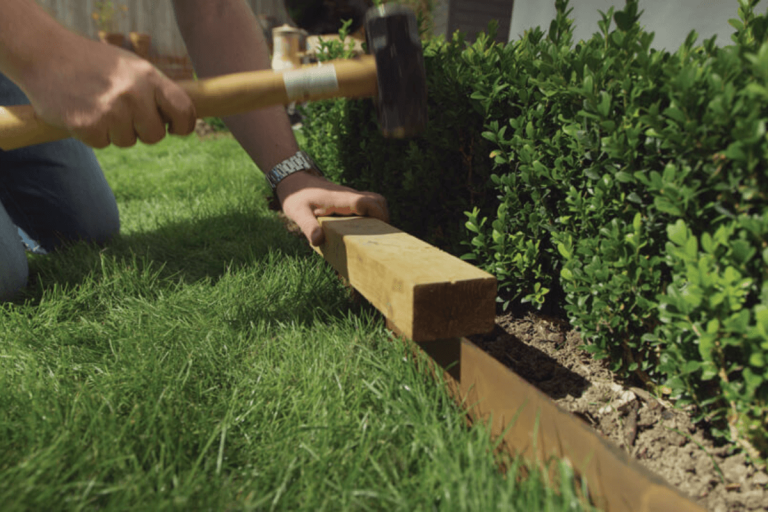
(305, 197)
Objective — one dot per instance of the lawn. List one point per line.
(208, 360)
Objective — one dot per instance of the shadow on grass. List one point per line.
(188, 252)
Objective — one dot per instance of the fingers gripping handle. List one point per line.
(224, 96)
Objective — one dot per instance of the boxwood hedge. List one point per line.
(625, 185)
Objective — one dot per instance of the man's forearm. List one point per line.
(27, 36)
(223, 36)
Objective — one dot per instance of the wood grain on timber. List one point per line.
(428, 292)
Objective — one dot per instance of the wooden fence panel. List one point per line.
(154, 17)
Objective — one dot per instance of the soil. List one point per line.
(549, 354)
(206, 131)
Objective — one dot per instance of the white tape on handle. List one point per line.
(301, 84)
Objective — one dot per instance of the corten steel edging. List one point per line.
(533, 426)
(367, 253)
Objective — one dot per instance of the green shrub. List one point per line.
(625, 159)
(626, 184)
(217, 124)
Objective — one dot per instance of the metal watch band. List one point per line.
(298, 162)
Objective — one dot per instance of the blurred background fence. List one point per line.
(155, 19)
(152, 17)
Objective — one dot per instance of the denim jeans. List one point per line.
(55, 192)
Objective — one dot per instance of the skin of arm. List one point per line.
(99, 93)
(223, 36)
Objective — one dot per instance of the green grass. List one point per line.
(208, 360)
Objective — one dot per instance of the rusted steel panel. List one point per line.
(534, 427)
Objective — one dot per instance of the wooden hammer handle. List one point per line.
(224, 96)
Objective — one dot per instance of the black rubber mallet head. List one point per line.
(392, 36)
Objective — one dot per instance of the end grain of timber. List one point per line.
(430, 294)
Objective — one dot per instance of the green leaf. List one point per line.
(676, 114)
(709, 371)
(604, 107)
(491, 136)
(650, 132)
(666, 206)
(678, 232)
(529, 131)
(624, 20)
(742, 251)
(706, 346)
(736, 152)
(691, 366)
(692, 248)
(591, 173)
(753, 380)
(692, 295)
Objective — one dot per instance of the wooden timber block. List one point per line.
(426, 292)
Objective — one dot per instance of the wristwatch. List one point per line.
(298, 162)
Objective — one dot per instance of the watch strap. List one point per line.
(301, 161)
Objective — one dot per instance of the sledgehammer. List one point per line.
(393, 73)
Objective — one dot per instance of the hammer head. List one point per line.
(392, 34)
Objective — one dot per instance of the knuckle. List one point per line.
(92, 136)
(124, 143)
(154, 139)
(189, 117)
(98, 142)
(146, 70)
(154, 135)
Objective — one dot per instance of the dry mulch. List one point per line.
(549, 354)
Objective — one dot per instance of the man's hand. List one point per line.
(102, 94)
(305, 197)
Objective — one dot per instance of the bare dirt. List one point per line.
(549, 354)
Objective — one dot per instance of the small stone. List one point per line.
(716, 502)
(759, 478)
(704, 466)
(755, 500)
(735, 469)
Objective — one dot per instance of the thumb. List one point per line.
(308, 224)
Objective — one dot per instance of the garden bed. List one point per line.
(548, 354)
